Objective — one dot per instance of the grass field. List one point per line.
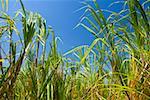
(116, 66)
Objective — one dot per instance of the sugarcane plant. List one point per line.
(114, 67)
(121, 47)
(15, 57)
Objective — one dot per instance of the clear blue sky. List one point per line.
(60, 15)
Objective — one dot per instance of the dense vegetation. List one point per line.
(116, 66)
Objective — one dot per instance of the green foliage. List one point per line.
(114, 67)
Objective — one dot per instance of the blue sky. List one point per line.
(61, 16)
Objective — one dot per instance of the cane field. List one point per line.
(115, 66)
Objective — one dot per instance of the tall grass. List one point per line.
(114, 67)
(121, 44)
